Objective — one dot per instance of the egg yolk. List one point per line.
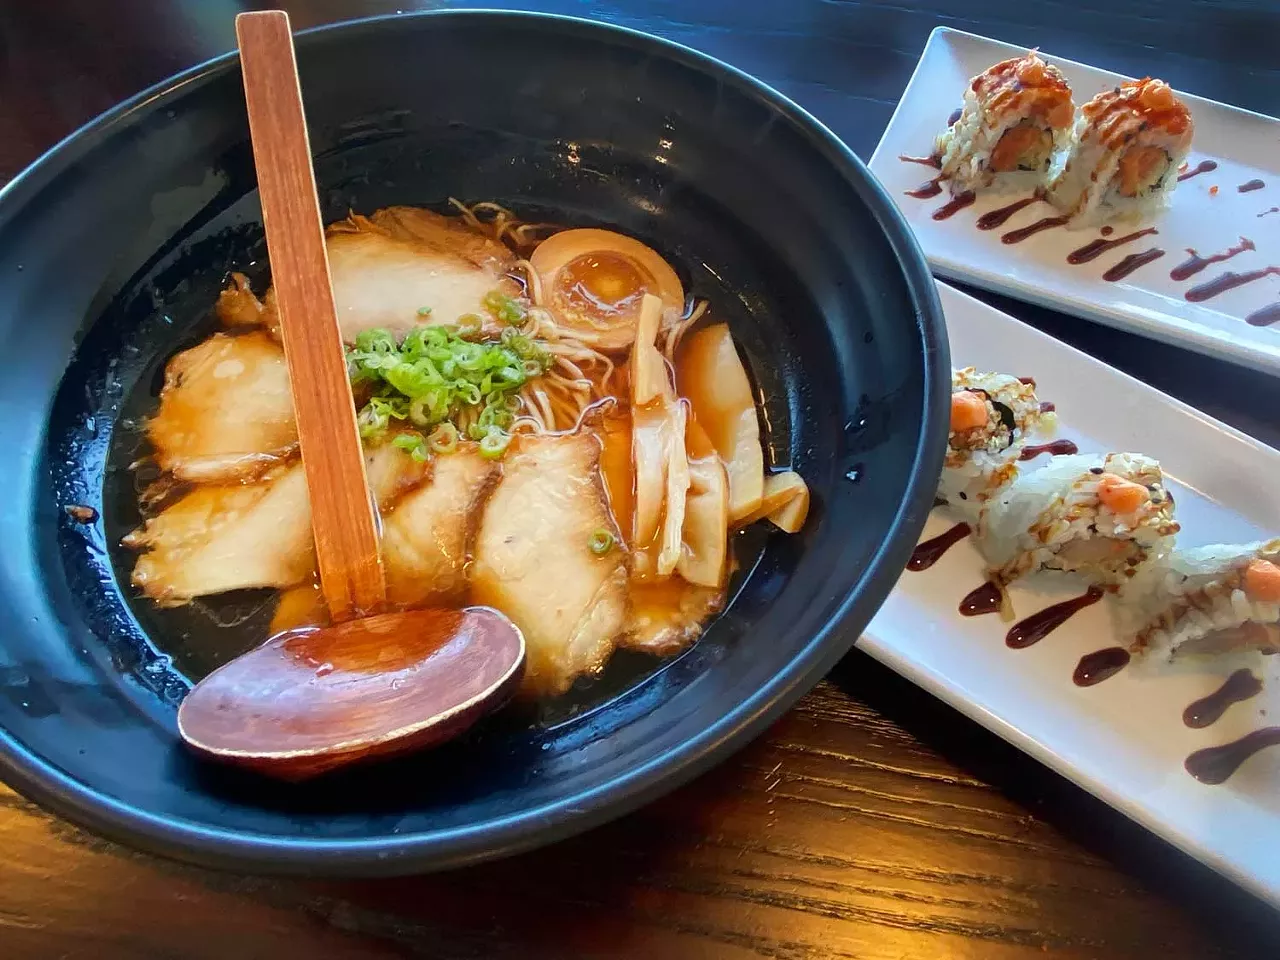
(604, 283)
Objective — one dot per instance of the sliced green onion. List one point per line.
(444, 438)
(433, 375)
(412, 444)
(424, 311)
(494, 443)
(503, 308)
(601, 542)
(469, 324)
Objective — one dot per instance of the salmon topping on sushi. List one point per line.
(1027, 83)
(1148, 103)
(968, 410)
(1121, 496)
(1262, 581)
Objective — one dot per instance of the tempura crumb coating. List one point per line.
(1129, 142)
(1062, 516)
(1016, 118)
(983, 458)
(1208, 601)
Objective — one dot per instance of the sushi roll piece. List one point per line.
(992, 414)
(1211, 600)
(1128, 145)
(1102, 517)
(1016, 117)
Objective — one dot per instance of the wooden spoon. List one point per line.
(309, 700)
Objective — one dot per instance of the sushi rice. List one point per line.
(1126, 149)
(982, 459)
(1025, 99)
(1203, 602)
(1064, 517)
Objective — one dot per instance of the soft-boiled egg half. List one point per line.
(595, 280)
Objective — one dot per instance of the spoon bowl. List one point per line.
(315, 698)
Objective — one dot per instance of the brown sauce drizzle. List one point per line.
(1095, 249)
(987, 598)
(1047, 406)
(997, 218)
(1028, 381)
(1047, 223)
(1227, 281)
(954, 205)
(1131, 263)
(1107, 231)
(1250, 186)
(1195, 263)
(1269, 210)
(930, 161)
(955, 115)
(1039, 625)
(1264, 317)
(1100, 665)
(1206, 711)
(926, 554)
(1055, 448)
(1204, 166)
(930, 188)
(1217, 764)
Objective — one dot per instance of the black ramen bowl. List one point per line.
(112, 249)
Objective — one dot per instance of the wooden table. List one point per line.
(872, 821)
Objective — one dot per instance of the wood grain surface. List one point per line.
(870, 822)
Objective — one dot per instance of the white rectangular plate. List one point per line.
(1246, 146)
(1123, 739)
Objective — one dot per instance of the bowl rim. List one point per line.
(220, 848)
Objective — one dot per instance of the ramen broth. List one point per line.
(525, 450)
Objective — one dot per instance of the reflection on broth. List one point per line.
(547, 430)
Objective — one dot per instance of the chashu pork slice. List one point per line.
(533, 559)
(226, 412)
(427, 539)
(235, 536)
(666, 616)
(388, 269)
(229, 536)
(445, 234)
(384, 281)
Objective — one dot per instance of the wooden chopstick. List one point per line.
(342, 513)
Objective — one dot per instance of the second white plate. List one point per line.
(1244, 146)
(1123, 739)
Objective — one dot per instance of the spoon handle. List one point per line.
(342, 517)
